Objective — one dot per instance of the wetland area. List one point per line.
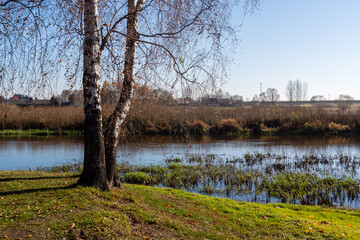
(295, 169)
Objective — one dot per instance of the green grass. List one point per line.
(39, 132)
(42, 205)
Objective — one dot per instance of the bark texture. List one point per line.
(118, 116)
(94, 172)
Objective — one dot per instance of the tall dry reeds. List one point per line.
(31, 117)
(150, 118)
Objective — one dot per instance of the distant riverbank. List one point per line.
(149, 119)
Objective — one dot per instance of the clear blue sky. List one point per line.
(315, 41)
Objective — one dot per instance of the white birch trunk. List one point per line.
(94, 172)
(118, 116)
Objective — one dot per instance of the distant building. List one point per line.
(20, 96)
(209, 101)
(15, 98)
(225, 102)
(42, 102)
(19, 99)
(186, 101)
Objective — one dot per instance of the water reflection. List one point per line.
(32, 152)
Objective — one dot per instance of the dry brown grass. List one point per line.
(145, 117)
(15, 117)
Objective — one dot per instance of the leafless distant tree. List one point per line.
(300, 90)
(296, 90)
(318, 98)
(290, 91)
(76, 98)
(237, 98)
(65, 94)
(345, 101)
(271, 95)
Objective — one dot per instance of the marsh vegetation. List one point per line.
(150, 118)
(309, 179)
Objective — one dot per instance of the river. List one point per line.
(32, 152)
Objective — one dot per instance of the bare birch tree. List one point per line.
(165, 42)
(25, 62)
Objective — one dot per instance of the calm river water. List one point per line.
(33, 152)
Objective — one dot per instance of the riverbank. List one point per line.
(40, 132)
(42, 205)
(150, 119)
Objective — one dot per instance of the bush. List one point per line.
(338, 127)
(198, 127)
(229, 126)
(314, 127)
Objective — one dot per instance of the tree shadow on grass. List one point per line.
(36, 178)
(32, 190)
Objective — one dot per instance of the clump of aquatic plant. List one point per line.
(70, 167)
(137, 178)
(304, 188)
(172, 159)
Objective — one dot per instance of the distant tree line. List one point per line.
(296, 90)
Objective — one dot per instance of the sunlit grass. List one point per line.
(42, 205)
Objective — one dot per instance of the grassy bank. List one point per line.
(147, 118)
(40, 132)
(42, 205)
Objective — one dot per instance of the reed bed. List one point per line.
(260, 177)
(31, 117)
(151, 118)
(309, 179)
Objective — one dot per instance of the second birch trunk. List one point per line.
(117, 118)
